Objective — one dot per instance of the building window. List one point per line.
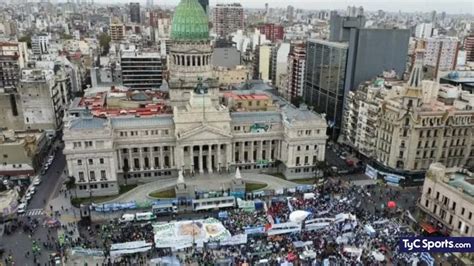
(136, 163)
(429, 191)
(435, 209)
(88, 144)
(427, 202)
(466, 229)
(81, 176)
(454, 206)
(77, 144)
(79, 162)
(450, 219)
(297, 160)
(135, 149)
(92, 175)
(459, 225)
(103, 175)
(462, 211)
(470, 216)
(91, 161)
(298, 148)
(101, 160)
(437, 195)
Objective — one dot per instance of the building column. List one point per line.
(242, 151)
(172, 152)
(200, 160)
(209, 159)
(269, 153)
(260, 150)
(131, 166)
(278, 150)
(228, 151)
(191, 159)
(141, 161)
(119, 161)
(162, 159)
(290, 156)
(151, 160)
(218, 165)
(251, 151)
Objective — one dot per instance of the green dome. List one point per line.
(190, 22)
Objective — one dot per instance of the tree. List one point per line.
(104, 42)
(71, 184)
(27, 39)
(125, 170)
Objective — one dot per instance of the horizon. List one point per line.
(450, 7)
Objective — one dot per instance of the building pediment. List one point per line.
(203, 133)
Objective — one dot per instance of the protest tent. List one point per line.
(298, 216)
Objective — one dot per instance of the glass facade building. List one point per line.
(324, 81)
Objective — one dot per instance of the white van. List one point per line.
(145, 216)
(127, 218)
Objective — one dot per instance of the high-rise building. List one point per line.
(141, 70)
(205, 5)
(264, 62)
(279, 64)
(149, 3)
(40, 43)
(296, 67)
(424, 30)
(272, 32)
(117, 31)
(228, 18)
(135, 12)
(368, 52)
(44, 96)
(433, 124)
(13, 57)
(469, 48)
(440, 53)
(290, 13)
(325, 79)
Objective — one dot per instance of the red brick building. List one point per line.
(273, 32)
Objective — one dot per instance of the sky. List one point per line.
(449, 6)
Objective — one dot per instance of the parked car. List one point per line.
(21, 208)
(37, 181)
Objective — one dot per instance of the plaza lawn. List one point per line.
(76, 202)
(165, 194)
(249, 187)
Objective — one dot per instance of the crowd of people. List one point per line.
(346, 242)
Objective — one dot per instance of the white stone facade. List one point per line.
(448, 199)
(290, 141)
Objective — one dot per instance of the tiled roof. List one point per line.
(88, 123)
(136, 122)
(253, 117)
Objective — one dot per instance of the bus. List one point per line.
(164, 209)
(213, 203)
(145, 216)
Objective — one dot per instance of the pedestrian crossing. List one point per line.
(32, 212)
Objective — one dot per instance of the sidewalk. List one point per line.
(67, 213)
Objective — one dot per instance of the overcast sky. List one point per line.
(449, 6)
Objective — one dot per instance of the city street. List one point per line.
(49, 182)
(36, 209)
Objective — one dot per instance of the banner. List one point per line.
(234, 240)
(129, 248)
(371, 172)
(183, 234)
(255, 230)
